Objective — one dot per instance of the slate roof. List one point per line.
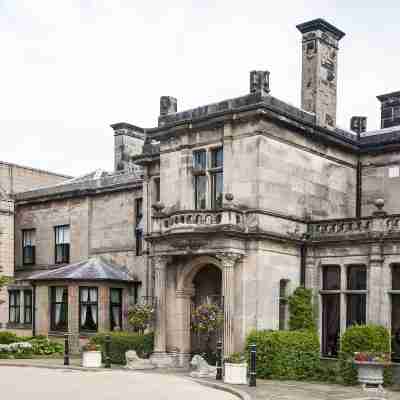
(92, 269)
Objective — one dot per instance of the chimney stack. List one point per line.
(319, 70)
(259, 82)
(358, 125)
(168, 105)
(390, 109)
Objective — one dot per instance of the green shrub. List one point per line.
(301, 313)
(121, 342)
(8, 337)
(44, 346)
(373, 338)
(286, 354)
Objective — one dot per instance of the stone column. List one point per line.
(184, 333)
(228, 261)
(374, 282)
(160, 357)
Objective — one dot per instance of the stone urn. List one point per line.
(370, 373)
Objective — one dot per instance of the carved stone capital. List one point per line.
(228, 260)
(160, 262)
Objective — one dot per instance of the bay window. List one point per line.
(59, 308)
(115, 309)
(88, 309)
(14, 306)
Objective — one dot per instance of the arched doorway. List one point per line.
(207, 285)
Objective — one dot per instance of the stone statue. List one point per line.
(133, 361)
(201, 368)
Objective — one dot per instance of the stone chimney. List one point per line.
(390, 109)
(128, 142)
(168, 105)
(358, 125)
(319, 70)
(259, 82)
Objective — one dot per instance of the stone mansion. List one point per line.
(237, 202)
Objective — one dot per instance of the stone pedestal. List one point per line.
(164, 360)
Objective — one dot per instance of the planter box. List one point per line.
(91, 359)
(235, 373)
(370, 373)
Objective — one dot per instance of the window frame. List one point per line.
(112, 305)
(89, 304)
(353, 293)
(28, 293)
(32, 247)
(16, 306)
(65, 246)
(53, 304)
(139, 215)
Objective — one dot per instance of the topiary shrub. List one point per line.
(357, 338)
(121, 342)
(286, 354)
(301, 312)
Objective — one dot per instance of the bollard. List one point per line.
(66, 349)
(253, 353)
(107, 359)
(219, 361)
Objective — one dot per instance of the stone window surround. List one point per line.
(343, 292)
(28, 235)
(209, 172)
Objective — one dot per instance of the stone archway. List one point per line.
(207, 285)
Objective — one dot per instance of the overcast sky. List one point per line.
(70, 68)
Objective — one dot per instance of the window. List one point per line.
(62, 235)
(356, 298)
(115, 309)
(330, 299)
(28, 246)
(139, 226)
(14, 306)
(59, 308)
(395, 297)
(394, 171)
(217, 183)
(202, 176)
(27, 306)
(200, 179)
(88, 308)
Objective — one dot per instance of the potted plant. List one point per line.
(140, 316)
(91, 355)
(235, 368)
(370, 366)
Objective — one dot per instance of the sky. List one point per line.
(70, 68)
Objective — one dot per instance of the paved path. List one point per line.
(45, 384)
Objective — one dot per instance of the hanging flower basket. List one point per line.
(206, 319)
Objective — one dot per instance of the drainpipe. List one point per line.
(303, 255)
(33, 309)
(358, 190)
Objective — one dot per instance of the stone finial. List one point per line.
(159, 206)
(358, 124)
(259, 82)
(168, 105)
(379, 204)
(229, 197)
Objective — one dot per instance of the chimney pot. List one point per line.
(358, 124)
(168, 105)
(259, 82)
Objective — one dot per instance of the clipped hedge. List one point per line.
(301, 312)
(9, 337)
(121, 342)
(371, 338)
(286, 354)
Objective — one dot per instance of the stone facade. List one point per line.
(238, 203)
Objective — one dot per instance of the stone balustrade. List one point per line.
(383, 224)
(198, 219)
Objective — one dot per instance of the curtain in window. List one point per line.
(62, 235)
(84, 307)
(93, 307)
(59, 299)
